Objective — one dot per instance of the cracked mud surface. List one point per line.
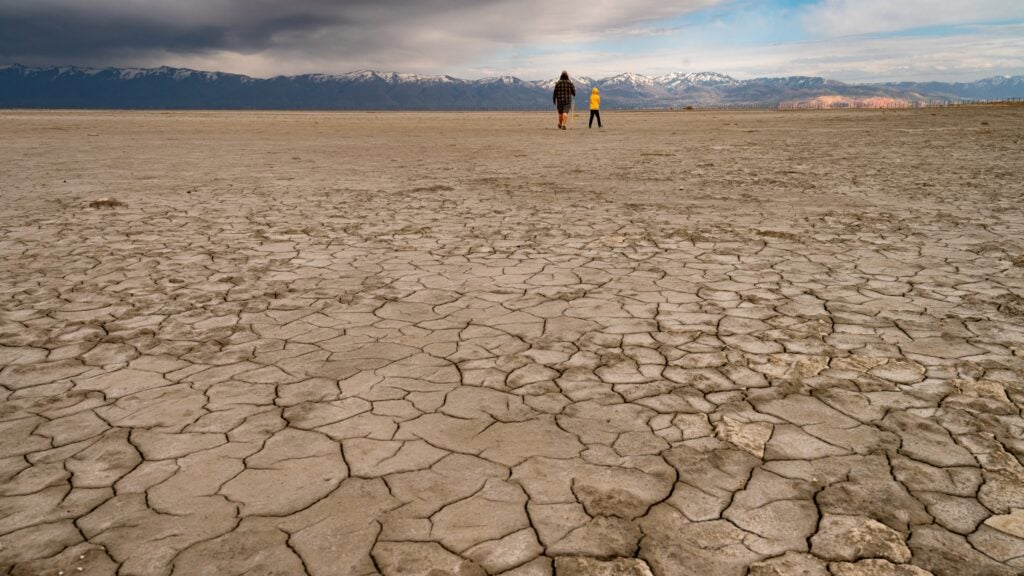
(411, 344)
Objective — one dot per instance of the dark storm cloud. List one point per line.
(60, 28)
(441, 32)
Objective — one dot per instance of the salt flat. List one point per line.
(693, 343)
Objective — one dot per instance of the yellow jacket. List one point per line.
(595, 100)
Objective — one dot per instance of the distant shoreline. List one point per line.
(1014, 102)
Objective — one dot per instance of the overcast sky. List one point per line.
(851, 40)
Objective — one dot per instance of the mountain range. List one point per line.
(180, 88)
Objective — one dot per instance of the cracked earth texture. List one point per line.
(767, 344)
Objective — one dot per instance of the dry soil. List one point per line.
(690, 343)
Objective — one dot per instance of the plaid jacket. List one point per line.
(564, 92)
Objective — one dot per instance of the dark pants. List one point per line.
(594, 114)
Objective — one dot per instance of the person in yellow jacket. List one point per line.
(595, 108)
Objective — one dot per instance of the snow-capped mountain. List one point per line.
(1002, 81)
(165, 87)
(995, 88)
(501, 80)
(392, 77)
(134, 73)
(686, 79)
(799, 82)
(629, 86)
(630, 80)
(579, 81)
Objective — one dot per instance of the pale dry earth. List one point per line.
(768, 344)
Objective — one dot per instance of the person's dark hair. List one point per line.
(565, 75)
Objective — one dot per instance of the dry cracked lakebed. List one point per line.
(703, 343)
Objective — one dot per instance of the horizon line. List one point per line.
(580, 76)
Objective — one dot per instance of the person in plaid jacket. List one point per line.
(564, 94)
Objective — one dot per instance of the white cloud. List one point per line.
(533, 39)
(975, 53)
(849, 45)
(958, 58)
(265, 37)
(846, 17)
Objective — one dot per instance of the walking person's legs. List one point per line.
(598, 114)
(591, 123)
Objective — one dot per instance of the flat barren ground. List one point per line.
(707, 344)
